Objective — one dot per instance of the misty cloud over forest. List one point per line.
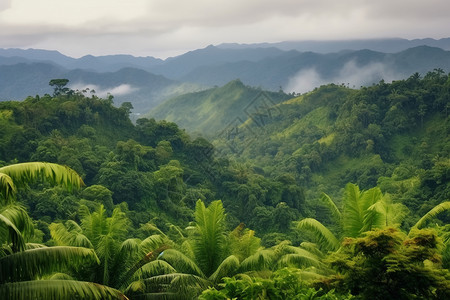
(120, 90)
(350, 75)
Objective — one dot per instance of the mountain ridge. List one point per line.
(268, 68)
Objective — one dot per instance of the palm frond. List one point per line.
(312, 248)
(123, 260)
(325, 199)
(374, 209)
(243, 242)
(118, 224)
(375, 216)
(57, 289)
(156, 267)
(124, 278)
(69, 234)
(261, 260)
(29, 246)
(8, 189)
(209, 239)
(59, 276)
(187, 248)
(10, 234)
(432, 213)
(24, 173)
(28, 264)
(18, 215)
(227, 268)
(185, 285)
(106, 249)
(181, 262)
(151, 243)
(325, 238)
(353, 212)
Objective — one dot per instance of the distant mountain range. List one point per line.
(291, 66)
(391, 45)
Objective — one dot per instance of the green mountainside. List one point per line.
(211, 111)
(393, 135)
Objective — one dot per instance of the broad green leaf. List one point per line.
(181, 262)
(324, 236)
(325, 199)
(24, 173)
(227, 268)
(353, 211)
(432, 213)
(10, 234)
(262, 260)
(57, 289)
(28, 264)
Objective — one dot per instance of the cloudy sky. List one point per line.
(163, 28)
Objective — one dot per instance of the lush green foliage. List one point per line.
(142, 217)
(286, 283)
(22, 264)
(394, 136)
(384, 264)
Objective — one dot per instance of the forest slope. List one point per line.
(210, 112)
(393, 135)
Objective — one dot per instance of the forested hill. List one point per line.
(164, 215)
(153, 168)
(394, 136)
(209, 112)
(391, 135)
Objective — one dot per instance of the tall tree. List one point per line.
(59, 86)
(121, 260)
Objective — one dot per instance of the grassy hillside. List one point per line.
(210, 112)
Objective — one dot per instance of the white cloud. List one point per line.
(357, 76)
(5, 4)
(145, 27)
(305, 81)
(123, 89)
(120, 90)
(350, 75)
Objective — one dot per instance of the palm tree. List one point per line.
(203, 258)
(22, 174)
(21, 263)
(15, 224)
(209, 255)
(121, 260)
(362, 211)
(19, 273)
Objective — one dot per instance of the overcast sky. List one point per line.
(163, 28)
